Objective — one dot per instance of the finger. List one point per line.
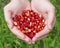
(41, 33)
(51, 18)
(50, 26)
(19, 5)
(14, 30)
(40, 37)
(20, 35)
(28, 40)
(8, 18)
(51, 15)
(45, 35)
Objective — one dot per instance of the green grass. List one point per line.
(9, 40)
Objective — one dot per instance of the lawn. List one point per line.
(9, 40)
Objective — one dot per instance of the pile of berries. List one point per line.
(29, 22)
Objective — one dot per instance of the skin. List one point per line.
(16, 7)
(39, 6)
(48, 11)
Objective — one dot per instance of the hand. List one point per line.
(48, 11)
(16, 7)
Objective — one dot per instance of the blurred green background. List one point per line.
(9, 40)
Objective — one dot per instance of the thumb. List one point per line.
(8, 18)
(51, 18)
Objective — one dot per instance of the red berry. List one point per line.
(29, 22)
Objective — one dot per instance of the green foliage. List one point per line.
(9, 40)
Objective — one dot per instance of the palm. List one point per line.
(47, 10)
(41, 6)
(15, 7)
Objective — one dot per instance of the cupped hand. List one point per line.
(16, 7)
(48, 11)
(43, 7)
